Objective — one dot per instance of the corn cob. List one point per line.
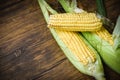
(77, 46)
(75, 22)
(105, 35)
(81, 54)
(102, 41)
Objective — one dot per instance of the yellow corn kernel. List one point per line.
(75, 22)
(77, 46)
(105, 35)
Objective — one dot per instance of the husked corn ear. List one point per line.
(77, 46)
(105, 35)
(75, 22)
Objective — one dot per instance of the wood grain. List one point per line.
(27, 49)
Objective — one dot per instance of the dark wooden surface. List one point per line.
(27, 49)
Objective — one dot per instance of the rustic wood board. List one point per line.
(27, 49)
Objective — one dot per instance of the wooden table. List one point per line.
(27, 49)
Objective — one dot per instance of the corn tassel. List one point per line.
(75, 22)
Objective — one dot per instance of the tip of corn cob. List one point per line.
(105, 35)
(75, 22)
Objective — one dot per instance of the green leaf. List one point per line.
(116, 35)
(101, 7)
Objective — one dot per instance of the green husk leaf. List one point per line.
(67, 6)
(101, 7)
(116, 35)
(73, 4)
(44, 10)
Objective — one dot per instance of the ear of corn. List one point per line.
(102, 41)
(74, 42)
(75, 22)
(111, 58)
(81, 54)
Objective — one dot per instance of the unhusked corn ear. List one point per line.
(102, 41)
(105, 35)
(80, 53)
(75, 22)
(77, 46)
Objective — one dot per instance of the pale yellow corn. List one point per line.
(105, 35)
(77, 46)
(75, 22)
